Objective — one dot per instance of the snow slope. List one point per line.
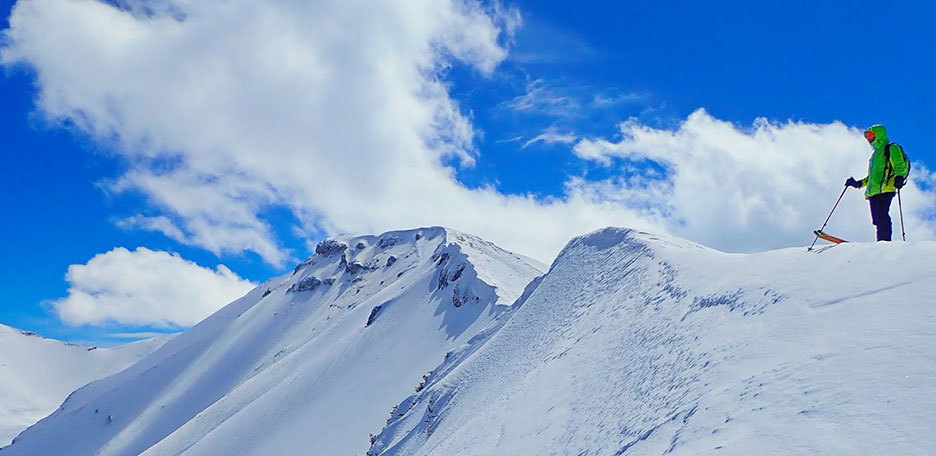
(638, 344)
(36, 374)
(307, 363)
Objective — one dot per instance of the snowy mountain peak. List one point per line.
(335, 343)
(456, 254)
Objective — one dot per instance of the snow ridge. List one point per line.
(640, 344)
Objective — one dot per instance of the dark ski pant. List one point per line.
(880, 214)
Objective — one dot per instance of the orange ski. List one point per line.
(827, 237)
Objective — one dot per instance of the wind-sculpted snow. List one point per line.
(307, 363)
(638, 344)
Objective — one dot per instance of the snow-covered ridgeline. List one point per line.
(641, 344)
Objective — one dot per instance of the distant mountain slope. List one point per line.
(307, 363)
(37, 374)
(644, 345)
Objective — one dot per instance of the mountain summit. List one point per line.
(307, 363)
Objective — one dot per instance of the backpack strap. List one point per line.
(888, 167)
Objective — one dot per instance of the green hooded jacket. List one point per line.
(881, 174)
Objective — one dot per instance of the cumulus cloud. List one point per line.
(744, 189)
(145, 288)
(340, 112)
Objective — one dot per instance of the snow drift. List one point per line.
(36, 374)
(307, 363)
(639, 344)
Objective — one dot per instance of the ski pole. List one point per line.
(830, 216)
(903, 234)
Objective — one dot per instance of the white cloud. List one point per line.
(335, 110)
(146, 288)
(752, 189)
(339, 112)
(551, 136)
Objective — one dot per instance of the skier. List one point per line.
(887, 173)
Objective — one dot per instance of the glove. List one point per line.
(899, 182)
(851, 182)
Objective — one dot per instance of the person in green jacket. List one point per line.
(887, 172)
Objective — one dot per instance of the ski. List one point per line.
(821, 235)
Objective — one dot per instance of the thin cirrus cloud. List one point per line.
(269, 104)
(144, 287)
(551, 135)
(544, 99)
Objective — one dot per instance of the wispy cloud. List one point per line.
(609, 100)
(552, 136)
(160, 224)
(568, 101)
(514, 139)
(541, 98)
(541, 43)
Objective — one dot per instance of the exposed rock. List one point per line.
(446, 277)
(373, 315)
(440, 258)
(422, 384)
(306, 284)
(458, 272)
(387, 242)
(443, 280)
(391, 260)
(354, 268)
(330, 247)
(461, 297)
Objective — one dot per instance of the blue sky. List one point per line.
(573, 72)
